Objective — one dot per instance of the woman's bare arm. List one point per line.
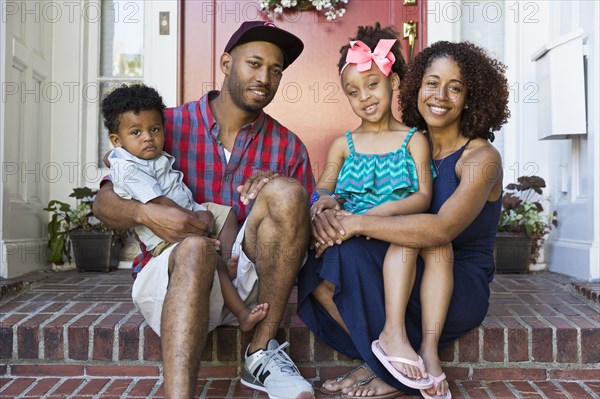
(476, 186)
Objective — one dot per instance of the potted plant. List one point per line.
(523, 225)
(95, 246)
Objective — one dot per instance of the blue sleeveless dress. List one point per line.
(368, 180)
(356, 266)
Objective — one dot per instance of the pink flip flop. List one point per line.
(421, 383)
(436, 381)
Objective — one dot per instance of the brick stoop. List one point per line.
(11, 287)
(81, 330)
(588, 290)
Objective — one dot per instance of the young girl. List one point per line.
(383, 168)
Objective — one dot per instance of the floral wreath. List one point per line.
(331, 8)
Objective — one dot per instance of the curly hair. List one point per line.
(134, 97)
(371, 35)
(487, 88)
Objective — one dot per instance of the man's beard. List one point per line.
(237, 92)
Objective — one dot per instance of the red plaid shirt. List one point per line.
(191, 137)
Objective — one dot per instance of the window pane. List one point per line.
(121, 53)
(122, 38)
(103, 142)
(485, 27)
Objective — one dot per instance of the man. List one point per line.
(220, 142)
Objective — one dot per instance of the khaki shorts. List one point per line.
(220, 213)
(150, 286)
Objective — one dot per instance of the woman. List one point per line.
(459, 96)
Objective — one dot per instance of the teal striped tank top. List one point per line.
(368, 180)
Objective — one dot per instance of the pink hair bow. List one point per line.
(361, 55)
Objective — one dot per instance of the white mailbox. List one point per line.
(561, 79)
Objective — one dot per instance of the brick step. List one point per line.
(537, 328)
(590, 290)
(128, 387)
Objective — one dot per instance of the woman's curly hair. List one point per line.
(371, 35)
(134, 97)
(487, 88)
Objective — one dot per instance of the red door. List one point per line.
(309, 100)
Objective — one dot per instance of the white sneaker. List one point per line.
(272, 371)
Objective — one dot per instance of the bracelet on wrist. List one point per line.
(315, 196)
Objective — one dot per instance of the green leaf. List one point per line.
(53, 227)
(57, 248)
(83, 192)
(57, 206)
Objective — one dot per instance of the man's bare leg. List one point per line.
(184, 321)
(276, 240)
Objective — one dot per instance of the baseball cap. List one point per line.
(260, 31)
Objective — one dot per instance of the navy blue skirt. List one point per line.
(355, 268)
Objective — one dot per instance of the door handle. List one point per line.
(409, 31)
